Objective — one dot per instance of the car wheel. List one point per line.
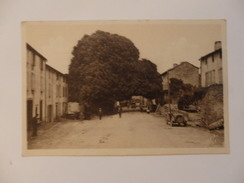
(180, 120)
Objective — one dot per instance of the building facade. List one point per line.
(56, 94)
(47, 90)
(35, 67)
(184, 71)
(211, 67)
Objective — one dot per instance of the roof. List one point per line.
(210, 54)
(36, 52)
(55, 70)
(178, 66)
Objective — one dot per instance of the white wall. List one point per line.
(56, 97)
(35, 81)
(207, 66)
(157, 169)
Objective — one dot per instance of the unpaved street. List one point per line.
(133, 130)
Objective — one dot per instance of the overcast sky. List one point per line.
(162, 42)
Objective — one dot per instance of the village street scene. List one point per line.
(114, 91)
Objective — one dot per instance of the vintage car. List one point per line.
(175, 118)
(190, 108)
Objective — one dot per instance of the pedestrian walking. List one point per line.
(120, 111)
(100, 113)
(34, 122)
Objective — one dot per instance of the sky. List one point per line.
(162, 42)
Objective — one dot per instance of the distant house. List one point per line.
(184, 71)
(211, 67)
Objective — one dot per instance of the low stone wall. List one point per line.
(212, 105)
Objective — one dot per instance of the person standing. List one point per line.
(120, 111)
(34, 122)
(100, 113)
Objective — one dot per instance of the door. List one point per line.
(49, 113)
(57, 110)
(29, 113)
(41, 110)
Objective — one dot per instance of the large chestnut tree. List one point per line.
(105, 68)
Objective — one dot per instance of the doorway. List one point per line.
(49, 113)
(29, 113)
(41, 110)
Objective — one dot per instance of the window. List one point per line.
(210, 78)
(206, 79)
(57, 91)
(33, 60)
(205, 61)
(60, 91)
(220, 76)
(41, 84)
(213, 77)
(212, 58)
(65, 91)
(64, 107)
(41, 64)
(50, 90)
(32, 82)
(28, 58)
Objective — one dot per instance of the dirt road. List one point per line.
(132, 130)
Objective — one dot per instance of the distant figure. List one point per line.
(34, 121)
(148, 110)
(120, 111)
(100, 113)
(117, 103)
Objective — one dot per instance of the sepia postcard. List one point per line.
(124, 87)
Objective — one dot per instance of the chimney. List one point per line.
(217, 45)
(174, 65)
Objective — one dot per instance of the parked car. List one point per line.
(143, 108)
(174, 118)
(73, 110)
(190, 108)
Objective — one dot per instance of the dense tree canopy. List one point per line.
(147, 81)
(177, 87)
(106, 67)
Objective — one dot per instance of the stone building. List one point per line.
(184, 71)
(211, 67)
(46, 88)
